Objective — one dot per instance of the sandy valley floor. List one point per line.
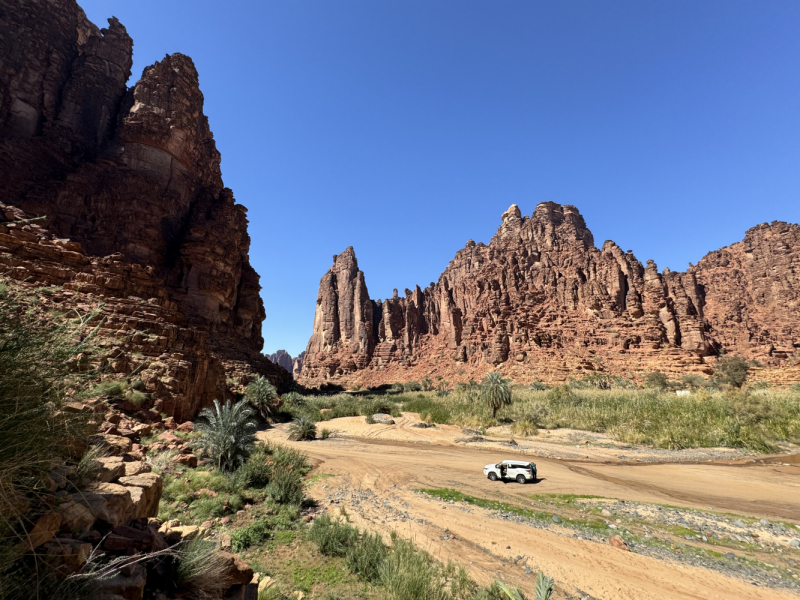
(372, 473)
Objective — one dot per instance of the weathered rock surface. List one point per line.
(138, 220)
(297, 364)
(541, 302)
(283, 359)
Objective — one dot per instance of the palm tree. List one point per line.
(302, 429)
(542, 590)
(496, 392)
(228, 433)
(261, 395)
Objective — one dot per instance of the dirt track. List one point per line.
(379, 466)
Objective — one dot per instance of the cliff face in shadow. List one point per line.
(129, 178)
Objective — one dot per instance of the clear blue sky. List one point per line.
(406, 127)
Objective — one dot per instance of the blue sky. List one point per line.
(406, 127)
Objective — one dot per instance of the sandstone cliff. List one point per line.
(136, 212)
(540, 301)
(283, 359)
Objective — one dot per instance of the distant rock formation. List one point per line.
(297, 364)
(540, 301)
(283, 359)
(136, 212)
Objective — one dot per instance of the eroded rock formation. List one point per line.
(540, 301)
(283, 359)
(136, 212)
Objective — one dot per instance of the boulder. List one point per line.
(383, 419)
(189, 460)
(237, 571)
(113, 468)
(43, 531)
(136, 467)
(147, 500)
(108, 502)
(124, 538)
(169, 438)
(128, 583)
(66, 554)
(75, 518)
(618, 542)
(115, 444)
(186, 426)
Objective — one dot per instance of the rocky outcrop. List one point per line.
(297, 364)
(283, 359)
(136, 217)
(541, 301)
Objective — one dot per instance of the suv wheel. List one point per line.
(520, 478)
(492, 476)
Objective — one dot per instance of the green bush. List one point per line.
(293, 399)
(656, 379)
(227, 433)
(410, 574)
(538, 386)
(428, 409)
(250, 535)
(412, 386)
(427, 384)
(731, 370)
(366, 556)
(332, 538)
(286, 486)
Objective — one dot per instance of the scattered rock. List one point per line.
(383, 419)
(618, 542)
(189, 460)
(42, 532)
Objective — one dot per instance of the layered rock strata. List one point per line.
(541, 302)
(135, 212)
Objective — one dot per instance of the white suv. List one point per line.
(511, 469)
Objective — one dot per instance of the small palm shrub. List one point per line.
(302, 429)
(538, 386)
(496, 392)
(293, 399)
(426, 383)
(261, 395)
(544, 587)
(227, 433)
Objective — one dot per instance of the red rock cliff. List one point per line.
(129, 178)
(540, 301)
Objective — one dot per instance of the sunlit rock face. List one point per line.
(541, 301)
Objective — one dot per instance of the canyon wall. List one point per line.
(136, 216)
(541, 302)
